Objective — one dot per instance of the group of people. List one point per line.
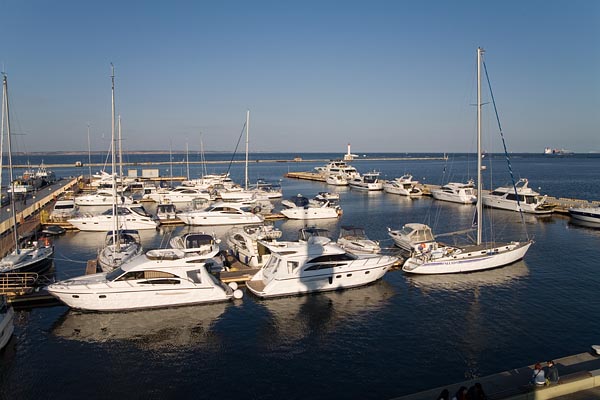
(545, 376)
(475, 392)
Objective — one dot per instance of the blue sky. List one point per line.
(383, 75)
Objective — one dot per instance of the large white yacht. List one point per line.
(338, 167)
(7, 316)
(300, 207)
(526, 199)
(129, 216)
(243, 243)
(463, 193)
(404, 186)
(159, 278)
(222, 213)
(315, 265)
(181, 194)
(102, 197)
(368, 181)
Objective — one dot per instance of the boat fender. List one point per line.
(233, 285)
(256, 209)
(238, 294)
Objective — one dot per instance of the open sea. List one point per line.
(400, 335)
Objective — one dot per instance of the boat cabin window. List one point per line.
(197, 241)
(67, 206)
(321, 266)
(162, 282)
(141, 211)
(332, 257)
(195, 276)
(134, 275)
(496, 193)
(292, 265)
(240, 241)
(114, 274)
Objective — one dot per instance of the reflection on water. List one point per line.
(475, 280)
(148, 329)
(294, 318)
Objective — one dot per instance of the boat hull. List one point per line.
(310, 213)
(336, 279)
(479, 260)
(586, 214)
(7, 326)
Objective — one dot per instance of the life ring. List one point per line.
(422, 246)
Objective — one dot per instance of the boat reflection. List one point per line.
(494, 277)
(294, 318)
(149, 329)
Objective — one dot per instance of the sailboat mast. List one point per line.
(10, 165)
(247, 129)
(89, 153)
(114, 161)
(480, 52)
(120, 152)
(187, 160)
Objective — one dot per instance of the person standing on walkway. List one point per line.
(552, 373)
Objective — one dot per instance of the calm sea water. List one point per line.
(395, 337)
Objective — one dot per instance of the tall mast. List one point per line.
(114, 166)
(479, 210)
(5, 108)
(247, 129)
(120, 152)
(187, 160)
(89, 153)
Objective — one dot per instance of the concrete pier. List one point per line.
(579, 379)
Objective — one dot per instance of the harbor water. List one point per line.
(397, 336)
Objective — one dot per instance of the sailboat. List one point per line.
(121, 245)
(29, 255)
(444, 259)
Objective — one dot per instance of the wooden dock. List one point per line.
(310, 176)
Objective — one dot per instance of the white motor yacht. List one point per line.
(368, 181)
(299, 207)
(463, 193)
(7, 316)
(166, 212)
(222, 213)
(244, 243)
(63, 209)
(314, 266)
(102, 197)
(129, 216)
(587, 214)
(355, 240)
(413, 237)
(338, 167)
(404, 186)
(119, 248)
(525, 199)
(336, 180)
(181, 194)
(159, 278)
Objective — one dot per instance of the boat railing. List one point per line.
(17, 283)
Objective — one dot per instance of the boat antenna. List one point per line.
(89, 152)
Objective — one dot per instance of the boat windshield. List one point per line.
(114, 274)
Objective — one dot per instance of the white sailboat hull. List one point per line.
(310, 213)
(467, 261)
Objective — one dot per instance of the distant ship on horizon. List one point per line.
(556, 152)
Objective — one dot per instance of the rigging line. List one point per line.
(236, 147)
(512, 177)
